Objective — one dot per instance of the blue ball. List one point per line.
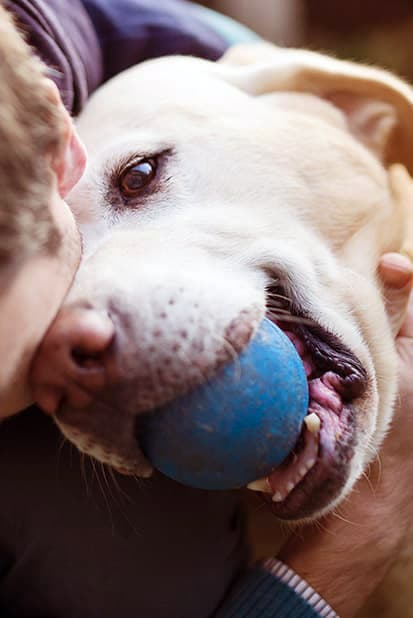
(240, 424)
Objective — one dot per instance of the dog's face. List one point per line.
(204, 208)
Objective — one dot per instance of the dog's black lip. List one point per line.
(327, 350)
(325, 480)
(330, 354)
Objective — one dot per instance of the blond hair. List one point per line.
(30, 133)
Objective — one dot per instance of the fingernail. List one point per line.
(396, 269)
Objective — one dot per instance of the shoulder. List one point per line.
(63, 35)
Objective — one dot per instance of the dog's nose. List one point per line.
(71, 362)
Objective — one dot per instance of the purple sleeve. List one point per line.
(130, 31)
(86, 42)
(62, 34)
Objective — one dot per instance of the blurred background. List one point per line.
(377, 31)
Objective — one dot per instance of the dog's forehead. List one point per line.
(162, 88)
(185, 105)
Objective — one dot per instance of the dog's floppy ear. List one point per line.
(377, 105)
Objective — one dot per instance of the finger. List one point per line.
(396, 272)
(401, 185)
(406, 329)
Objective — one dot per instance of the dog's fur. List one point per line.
(274, 169)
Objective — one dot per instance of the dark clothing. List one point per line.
(88, 41)
(135, 30)
(62, 34)
(74, 542)
(77, 542)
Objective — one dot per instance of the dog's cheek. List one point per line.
(376, 332)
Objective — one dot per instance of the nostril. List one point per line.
(85, 359)
(89, 337)
(72, 361)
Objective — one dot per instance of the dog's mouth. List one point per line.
(316, 471)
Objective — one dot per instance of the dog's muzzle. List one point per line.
(96, 374)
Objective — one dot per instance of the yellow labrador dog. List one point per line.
(217, 194)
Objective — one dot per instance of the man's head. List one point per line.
(30, 123)
(40, 160)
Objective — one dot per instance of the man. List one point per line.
(68, 546)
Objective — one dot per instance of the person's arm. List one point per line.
(85, 42)
(62, 35)
(130, 31)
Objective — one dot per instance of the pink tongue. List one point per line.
(324, 392)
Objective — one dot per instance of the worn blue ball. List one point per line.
(240, 424)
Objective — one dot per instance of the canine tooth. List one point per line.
(302, 471)
(277, 497)
(260, 485)
(290, 486)
(312, 422)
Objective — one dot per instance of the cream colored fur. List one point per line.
(278, 164)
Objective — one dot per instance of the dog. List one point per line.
(217, 194)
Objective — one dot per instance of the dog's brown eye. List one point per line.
(137, 177)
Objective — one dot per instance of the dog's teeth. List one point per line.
(277, 497)
(312, 422)
(260, 485)
(302, 471)
(290, 486)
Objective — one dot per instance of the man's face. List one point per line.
(32, 291)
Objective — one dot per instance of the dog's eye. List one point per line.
(136, 177)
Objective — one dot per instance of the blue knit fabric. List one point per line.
(258, 594)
